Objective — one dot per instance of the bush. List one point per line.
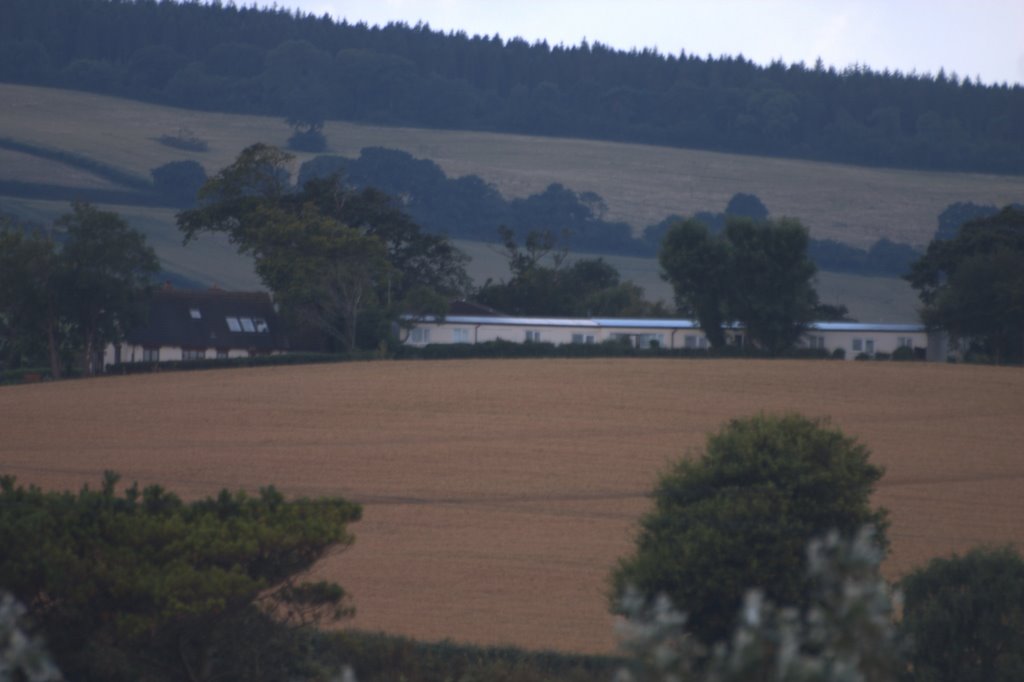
(839, 354)
(307, 141)
(904, 353)
(965, 617)
(741, 515)
(845, 634)
(184, 139)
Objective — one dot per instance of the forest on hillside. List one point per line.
(223, 57)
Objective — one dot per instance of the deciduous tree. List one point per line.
(973, 285)
(740, 515)
(756, 273)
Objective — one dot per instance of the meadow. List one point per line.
(498, 494)
(641, 184)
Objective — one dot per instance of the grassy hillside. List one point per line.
(498, 494)
(641, 184)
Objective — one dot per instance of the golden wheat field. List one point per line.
(498, 494)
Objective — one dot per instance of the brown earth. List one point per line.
(498, 494)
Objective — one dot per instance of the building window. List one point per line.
(418, 335)
(261, 325)
(189, 354)
(233, 324)
(195, 314)
(151, 355)
(905, 342)
(460, 335)
(583, 338)
(869, 345)
(816, 342)
(532, 336)
(222, 353)
(247, 324)
(694, 342)
(858, 344)
(649, 340)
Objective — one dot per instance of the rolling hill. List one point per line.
(640, 184)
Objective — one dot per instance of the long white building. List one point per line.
(855, 338)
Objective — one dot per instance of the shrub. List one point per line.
(904, 353)
(839, 354)
(184, 139)
(307, 141)
(965, 617)
(741, 515)
(845, 633)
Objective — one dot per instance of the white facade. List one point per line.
(126, 353)
(855, 338)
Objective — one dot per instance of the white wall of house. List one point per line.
(131, 353)
(853, 338)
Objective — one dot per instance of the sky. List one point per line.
(976, 38)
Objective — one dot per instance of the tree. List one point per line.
(82, 295)
(179, 181)
(542, 283)
(755, 273)
(972, 286)
(144, 586)
(845, 633)
(698, 266)
(771, 290)
(106, 276)
(740, 515)
(965, 617)
(29, 299)
(331, 253)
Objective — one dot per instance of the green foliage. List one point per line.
(741, 515)
(144, 585)
(586, 288)
(330, 254)
(382, 658)
(105, 278)
(22, 656)
(845, 633)
(965, 617)
(973, 285)
(184, 139)
(755, 273)
(276, 62)
(178, 182)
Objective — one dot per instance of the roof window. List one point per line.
(195, 314)
(233, 324)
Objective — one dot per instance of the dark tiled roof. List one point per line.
(472, 308)
(171, 321)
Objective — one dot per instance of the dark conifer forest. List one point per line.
(225, 57)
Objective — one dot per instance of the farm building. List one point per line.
(854, 338)
(194, 325)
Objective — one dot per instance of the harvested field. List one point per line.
(498, 494)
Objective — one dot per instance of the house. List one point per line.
(194, 325)
(855, 338)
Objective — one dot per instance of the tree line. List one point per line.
(347, 266)
(306, 68)
(467, 207)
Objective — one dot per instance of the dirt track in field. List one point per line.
(498, 494)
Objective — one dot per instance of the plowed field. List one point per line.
(498, 494)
